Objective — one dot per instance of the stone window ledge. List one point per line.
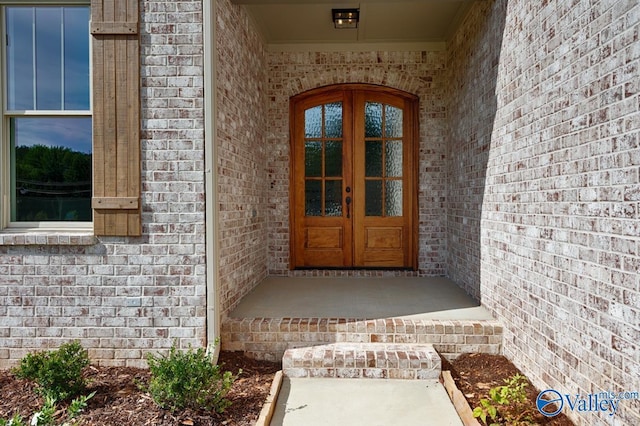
(16, 237)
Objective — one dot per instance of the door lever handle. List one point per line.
(348, 200)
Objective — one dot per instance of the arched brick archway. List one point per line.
(420, 73)
(393, 79)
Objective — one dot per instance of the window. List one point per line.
(46, 126)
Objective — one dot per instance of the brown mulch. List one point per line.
(475, 374)
(119, 400)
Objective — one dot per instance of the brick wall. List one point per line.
(421, 73)
(124, 296)
(472, 65)
(558, 251)
(241, 151)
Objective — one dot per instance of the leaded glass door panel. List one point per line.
(353, 197)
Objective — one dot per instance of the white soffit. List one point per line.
(304, 25)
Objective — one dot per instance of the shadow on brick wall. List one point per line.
(473, 58)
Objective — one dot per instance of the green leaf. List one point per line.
(493, 412)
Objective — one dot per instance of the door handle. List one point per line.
(348, 200)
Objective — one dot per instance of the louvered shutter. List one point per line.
(116, 117)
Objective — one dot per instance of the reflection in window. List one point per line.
(48, 113)
(372, 120)
(373, 198)
(333, 198)
(323, 160)
(393, 198)
(333, 159)
(313, 198)
(373, 159)
(383, 160)
(393, 159)
(333, 120)
(313, 159)
(51, 173)
(392, 122)
(47, 58)
(313, 122)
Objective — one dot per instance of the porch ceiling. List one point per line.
(398, 22)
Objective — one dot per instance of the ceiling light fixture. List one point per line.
(345, 18)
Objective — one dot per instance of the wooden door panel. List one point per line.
(383, 238)
(324, 238)
(322, 235)
(355, 231)
(383, 259)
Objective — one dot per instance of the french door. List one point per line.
(353, 180)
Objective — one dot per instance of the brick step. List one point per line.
(268, 338)
(363, 360)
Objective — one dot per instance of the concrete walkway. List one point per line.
(363, 402)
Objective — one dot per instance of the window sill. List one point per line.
(42, 237)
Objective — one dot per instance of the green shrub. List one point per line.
(504, 401)
(58, 373)
(188, 380)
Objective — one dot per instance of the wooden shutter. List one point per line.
(116, 117)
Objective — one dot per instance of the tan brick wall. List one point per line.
(548, 106)
(241, 151)
(421, 73)
(472, 64)
(122, 297)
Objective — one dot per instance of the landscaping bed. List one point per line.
(120, 401)
(475, 374)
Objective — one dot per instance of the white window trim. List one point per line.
(37, 229)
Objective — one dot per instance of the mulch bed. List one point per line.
(475, 374)
(119, 400)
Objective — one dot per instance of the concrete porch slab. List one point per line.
(293, 312)
(362, 298)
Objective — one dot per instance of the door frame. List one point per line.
(412, 170)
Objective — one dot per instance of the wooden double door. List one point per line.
(353, 179)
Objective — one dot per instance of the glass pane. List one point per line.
(76, 58)
(51, 169)
(333, 120)
(333, 159)
(373, 198)
(48, 58)
(20, 58)
(313, 159)
(313, 198)
(333, 198)
(373, 159)
(313, 122)
(47, 53)
(372, 120)
(393, 159)
(392, 122)
(393, 198)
